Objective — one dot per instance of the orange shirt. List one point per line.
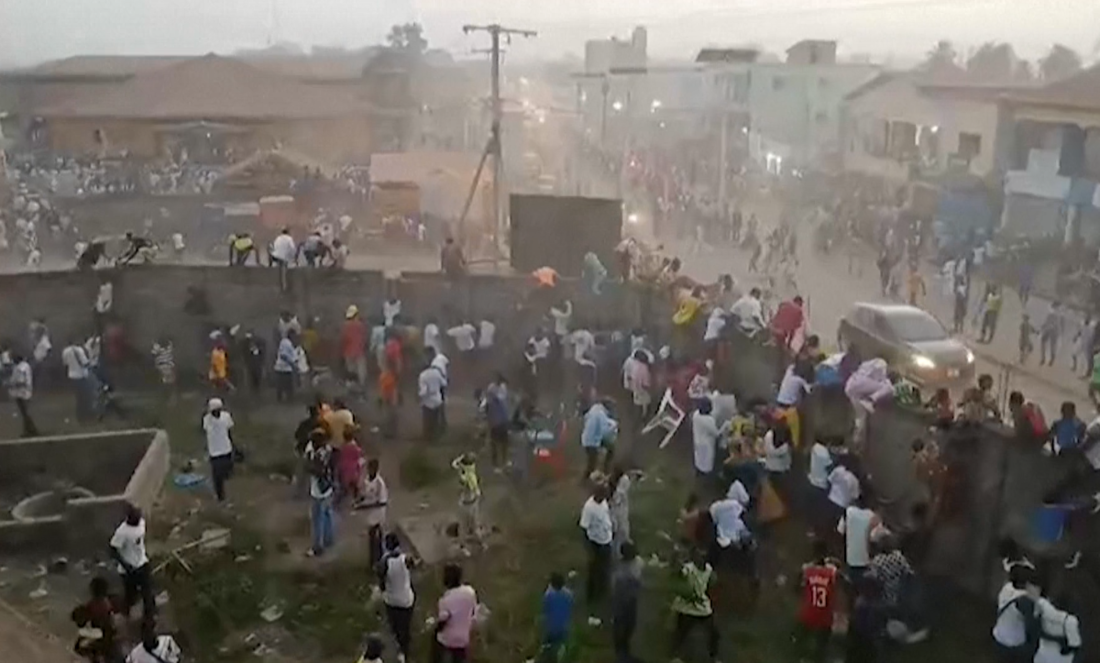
(387, 387)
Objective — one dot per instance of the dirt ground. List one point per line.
(260, 598)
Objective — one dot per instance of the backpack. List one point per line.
(1035, 420)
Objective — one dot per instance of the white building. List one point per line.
(905, 124)
(795, 105)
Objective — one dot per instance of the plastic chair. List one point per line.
(669, 416)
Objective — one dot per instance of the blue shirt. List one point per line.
(598, 426)
(557, 612)
(1068, 433)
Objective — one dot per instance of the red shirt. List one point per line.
(353, 339)
(393, 356)
(819, 587)
(787, 319)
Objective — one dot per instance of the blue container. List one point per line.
(1048, 522)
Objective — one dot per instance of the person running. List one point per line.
(815, 616)
(557, 614)
(692, 605)
(395, 581)
(217, 424)
(128, 549)
(991, 312)
(598, 531)
(456, 611)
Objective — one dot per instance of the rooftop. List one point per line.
(210, 87)
(1080, 91)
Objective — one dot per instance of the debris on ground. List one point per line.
(214, 538)
(39, 593)
(272, 613)
(58, 565)
(161, 599)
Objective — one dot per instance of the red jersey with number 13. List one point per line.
(819, 586)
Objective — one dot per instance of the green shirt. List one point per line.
(693, 599)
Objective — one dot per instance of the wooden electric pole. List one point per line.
(495, 145)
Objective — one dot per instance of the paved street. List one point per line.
(829, 289)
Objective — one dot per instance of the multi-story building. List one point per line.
(1052, 159)
(795, 105)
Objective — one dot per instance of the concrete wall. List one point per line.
(150, 301)
(120, 467)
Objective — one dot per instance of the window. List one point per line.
(970, 145)
(916, 326)
(778, 83)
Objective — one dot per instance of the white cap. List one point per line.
(214, 404)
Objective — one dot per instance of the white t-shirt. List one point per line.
(217, 433)
(440, 363)
(129, 541)
(748, 312)
(391, 310)
(791, 389)
(843, 486)
(375, 492)
(167, 651)
(562, 318)
(820, 460)
(704, 435)
(398, 592)
(76, 362)
(1059, 624)
(776, 459)
(596, 521)
(486, 334)
(583, 342)
(855, 525)
(431, 337)
(105, 298)
(284, 248)
(430, 386)
(715, 324)
(728, 526)
(1010, 629)
(463, 336)
(542, 347)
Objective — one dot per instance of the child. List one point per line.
(940, 405)
(349, 466)
(819, 583)
(375, 499)
(1026, 332)
(1069, 431)
(469, 499)
(372, 650)
(557, 614)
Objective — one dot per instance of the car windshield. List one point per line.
(916, 326)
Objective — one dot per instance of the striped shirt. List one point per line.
(164, 357)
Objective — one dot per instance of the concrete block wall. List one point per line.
(150, 300)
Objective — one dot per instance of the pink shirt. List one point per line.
(456, 608)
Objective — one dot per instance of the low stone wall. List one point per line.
(121, 468)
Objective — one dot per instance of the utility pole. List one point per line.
(495, 145)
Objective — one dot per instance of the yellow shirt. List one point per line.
(218, 368)
(338, 421)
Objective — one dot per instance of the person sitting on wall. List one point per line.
(139, 246)
(240, 246)
(92, 254)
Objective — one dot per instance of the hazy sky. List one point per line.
(35, 30)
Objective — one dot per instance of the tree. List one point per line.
(993, 61)
(1060, 62)
(1024, 72)
(942, 56)
(408, 37)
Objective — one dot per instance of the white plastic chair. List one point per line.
(669, 416)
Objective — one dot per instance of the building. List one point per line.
(224, 103)
(1052, 159)
(904, 125)
(795, 105)
(602, 56)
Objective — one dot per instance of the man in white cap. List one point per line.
(353, 348)
(217, 424)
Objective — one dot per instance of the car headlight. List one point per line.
(969, 357)
(920, 361)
